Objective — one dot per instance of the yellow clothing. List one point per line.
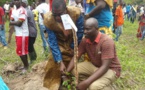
(35, 12)
(90, 1)
(109, 2)
(107, 31)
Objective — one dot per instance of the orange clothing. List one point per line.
(120, 17)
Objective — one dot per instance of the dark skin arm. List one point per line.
(42, 15)
(71, 64)
(69, 68)
(62, 68)
(17, 23)
(100, 4)
(97, 74)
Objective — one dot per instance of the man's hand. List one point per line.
(83, 85)
(62, 68)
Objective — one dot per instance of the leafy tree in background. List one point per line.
(2, 2)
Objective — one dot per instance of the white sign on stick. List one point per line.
(68, 22)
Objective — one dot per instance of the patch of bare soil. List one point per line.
(30, 81)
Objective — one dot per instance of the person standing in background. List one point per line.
(124, 11)
(128, 8)
(76, 4)
(7, 8)
(32, 31)
(35, 13)
(11, 27)
(141, 29)
(119, 20)
(133, 14)
(101, 10)
(19, 20)
(3, 42)
(42, 9)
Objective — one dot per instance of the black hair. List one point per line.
(58, 3)
(43, 0)
(11, 4)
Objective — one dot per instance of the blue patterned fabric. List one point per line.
(52, 40)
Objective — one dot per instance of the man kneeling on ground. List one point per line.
(103, 67)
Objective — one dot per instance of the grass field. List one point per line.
(130, 50)
(131, 53)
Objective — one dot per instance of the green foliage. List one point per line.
(2, 2)
(70, 83)
(67, 84)
(134, 1)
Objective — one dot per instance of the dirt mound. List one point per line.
(30, 81)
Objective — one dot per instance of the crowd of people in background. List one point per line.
(24, 19)
(132, 13)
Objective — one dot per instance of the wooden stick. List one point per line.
(75, 55)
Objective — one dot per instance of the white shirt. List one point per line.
(14, 7)
(141, 10)
(73, 3)
(7, 7)
(124, 9)
(42, 8)
(20, 14)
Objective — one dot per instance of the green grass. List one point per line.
(130, 50)
(131, 53)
